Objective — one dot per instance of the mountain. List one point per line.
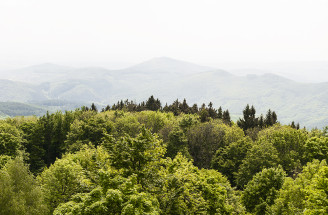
(167, 65)
(11, 109)
(169, 79)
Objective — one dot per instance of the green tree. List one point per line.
(289, 144)
(10, 139)
(316, 148)
(19, 192)
(135, 155)
(90, 130)
(153, 104)
(188, 190)
(60, 181)
(228, 159)
(178, 142)
(260, 193)
(226, 117)
(205, 139)
(249, 120)
(300, 196)
(261, 155)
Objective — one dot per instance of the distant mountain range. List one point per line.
(54, 87)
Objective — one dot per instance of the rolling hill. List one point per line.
(169, 79)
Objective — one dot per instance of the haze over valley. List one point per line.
(55, 87)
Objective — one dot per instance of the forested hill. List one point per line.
(169, 80)
(130, 159)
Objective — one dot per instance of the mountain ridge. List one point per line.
(293, 101)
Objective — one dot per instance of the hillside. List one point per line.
(12, 109)
(169, 79)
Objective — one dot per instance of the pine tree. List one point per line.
(226, 117)
(220, 114)
(93, 107)
(212, 111)
(194, 109)
(268, 118)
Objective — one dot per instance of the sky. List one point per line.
(114, 33)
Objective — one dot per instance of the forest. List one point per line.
(150, 158)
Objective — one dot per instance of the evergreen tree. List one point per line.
(261, 121)
(211, 111)
(249, 120)
(268, 118)
(93, 107)
(194, 109)
(184, 107)
(152, 104)
(226, 117)
(220, 114)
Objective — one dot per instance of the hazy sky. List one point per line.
(118, 32)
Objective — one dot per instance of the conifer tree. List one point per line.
(93, 107)
(194, 109)
(220, 114)
(212, 111)
(226, 117)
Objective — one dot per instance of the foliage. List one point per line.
(130, 160)
(260, 193)
(10, 139)
(20, 193)
(228, 159)
(206, 138)
(188, 189)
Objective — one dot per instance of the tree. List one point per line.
(301, 196)
(270, 118)
(90, 130)
(261, 155)
(220, 114)
(289, 144)
(135, 155)
(316, 148)
(178, 142)
(93, 107)
(186, 189)
(20, 193)
(226, 117)
(204, 115)
(211, 111)
(260, 193)
(10, 139)
(228, 159)
(249, 120)
(205, 139)
(152, 104)
(61, 181)
(184, 107)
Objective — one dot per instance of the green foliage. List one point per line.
(60, 181)
(206, 138)
(261, 191)
(90, 130)
(154, 121)
(304, 195)
(258, 157)
(19, 192)
(135, 155)
(228, 159)
(186, 189)
(10, 139)
(316, 148)
(289, 144)
(317, 192)
(177, 142)
(120, 162)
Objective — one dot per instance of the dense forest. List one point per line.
(147, 158)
